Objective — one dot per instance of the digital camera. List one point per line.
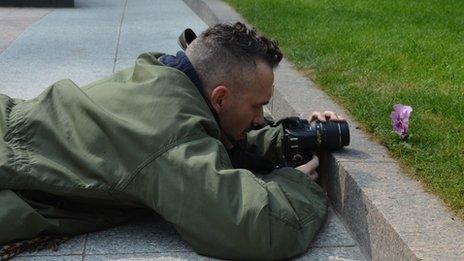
(302, 139)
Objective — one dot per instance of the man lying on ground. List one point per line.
(172, 135)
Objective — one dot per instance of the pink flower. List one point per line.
(400, 119)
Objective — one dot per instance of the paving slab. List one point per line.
(71, 248)
(333, 234)
(14, 20)
(148, 235)
(50, 258)
(333, 253)
(153, 238)
(77, 43)
(86, 42)
(149, 256)
(90, 30)
(26, 79)
(124, 64)
(155, 25)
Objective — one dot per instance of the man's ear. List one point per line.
(219, 97)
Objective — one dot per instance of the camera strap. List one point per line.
(185, 38)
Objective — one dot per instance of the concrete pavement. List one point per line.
(91, 41)
(13, 21)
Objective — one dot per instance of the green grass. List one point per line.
(370, 55)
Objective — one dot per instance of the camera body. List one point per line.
(302, 139)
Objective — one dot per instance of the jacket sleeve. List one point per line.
(266, 143)
(260, 152)
(230, 213)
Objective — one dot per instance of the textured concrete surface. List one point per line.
(390, 215)
(151, 238)
(415, 218)
(89, 41)
(13, 21)
(86, 43)
(155, 25)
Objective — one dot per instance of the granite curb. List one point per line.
(390, 215)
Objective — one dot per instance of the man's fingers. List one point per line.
(336, 117)
(326, 115)
(317, 116)
(313, 175)
(313, 163)
(310, 166)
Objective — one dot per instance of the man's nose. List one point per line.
(258, 120)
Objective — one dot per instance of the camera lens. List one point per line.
(302, 138)
(334, 135)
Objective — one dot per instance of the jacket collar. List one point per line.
(181, 62)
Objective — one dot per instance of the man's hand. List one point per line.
(326, 115)
(310, 168)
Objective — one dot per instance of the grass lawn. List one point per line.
(370, 55)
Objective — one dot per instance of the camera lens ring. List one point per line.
(339, 134)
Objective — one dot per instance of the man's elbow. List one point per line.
(269, 238)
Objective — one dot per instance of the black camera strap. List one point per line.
(185, 38)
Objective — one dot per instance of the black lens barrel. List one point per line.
(302, 138)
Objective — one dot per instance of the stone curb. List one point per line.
(37, 3)
(390, 215)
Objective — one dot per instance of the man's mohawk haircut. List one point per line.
(243, 42)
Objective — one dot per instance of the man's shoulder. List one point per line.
(151, 92)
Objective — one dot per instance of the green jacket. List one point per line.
(74, 160)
